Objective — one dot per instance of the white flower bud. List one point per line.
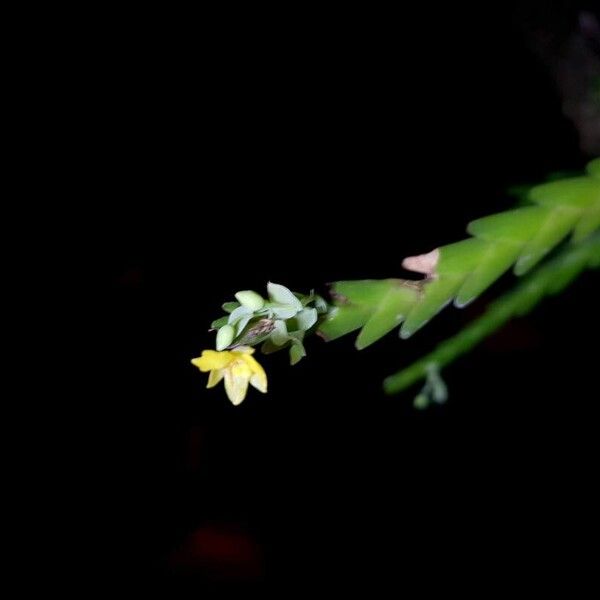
(250, 300)
(225, 336)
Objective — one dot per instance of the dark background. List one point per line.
(234, 149)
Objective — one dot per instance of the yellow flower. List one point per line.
(238, 367)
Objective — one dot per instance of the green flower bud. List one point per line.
(421, 401)
(250, 300)
(225, 336)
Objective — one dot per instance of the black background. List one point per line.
(233, 149)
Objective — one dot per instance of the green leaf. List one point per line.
(515, 226)
(342, 320)
(547, 279)
(589, 222)
(237, 314)
(438, 293)
(497, 259)
(297, 352)
(458, 258)
(556, 227)
(217, 323)
(279, 336)
(362, 291)
(282, 295)
(269, 347)
(230, 306)
(389, 314)
(575, 193)
(241, 324)
(306, 318)
(296, 335)
(282, 311)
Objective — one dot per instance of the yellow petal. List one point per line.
(235, 386)
(214, 377)
(259, 382)
(254, 365)
(211, 359)
(259, 377)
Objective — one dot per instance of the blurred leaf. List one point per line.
(576, 192)
(421, 401)
(230, 306)
(321, 305)
(217, 323)
(436, 385)
(306, 299)
(593, 167)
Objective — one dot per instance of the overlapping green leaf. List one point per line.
(550, 278)
(518, 238)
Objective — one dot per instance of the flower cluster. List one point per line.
(277, 323)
